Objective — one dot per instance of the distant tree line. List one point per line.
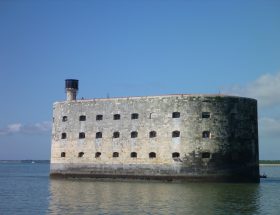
(269, 161)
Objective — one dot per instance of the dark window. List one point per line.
(82, 118)
(153, 134)
(116, 134)
(82, 135)
(63, 136)
(175, 155)
(205, 114)
(115, 154)
(97, 154)
(99, 117)
(117, 116)
(98, 135)
(176, 115)
(134, 116)
(63, 154)
(152, 155)
(205, 155)
(64, 118)
(133, 155)
(134, 134)
(176, 134)
(206, 134)
(232, 116)
(81, 154)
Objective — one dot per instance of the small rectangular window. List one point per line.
(116, 134)
(115, 155)
(176, 115)
(99, 117)
(232, 116)
(64, 118)
(176, 134)
(98, 135)
(206, 134)
(117, 116)
(81, 154)
(134, 116)
(153, 134)
(82, 118)
(82, 135)
(205, 155)
(205, 115)
(134, 134)
(97, 154)
(63, 136)
(152, 155)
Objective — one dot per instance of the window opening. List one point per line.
(97, 154)
(117, 116)
(81, 154)
(205, 155)
(63, 136)
(153, 134)
(115, 154)
(64, 118)
(63, 154)
(206, 134)
(134, 116)
(98, 135)
(134, 134)
(176, 134)
(176, 115)
(99, 117)
(116, 134)
(133, 154)
(82, 118)
(152, 155)
(205, 115)
(82, 135)
(175, 154)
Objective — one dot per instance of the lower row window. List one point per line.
(115, 154)
(134, 154)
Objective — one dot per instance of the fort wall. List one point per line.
(188, 137)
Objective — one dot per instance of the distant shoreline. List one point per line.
(261, 163)
(24, 161)
(269, 164)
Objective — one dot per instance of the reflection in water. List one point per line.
(97, 197)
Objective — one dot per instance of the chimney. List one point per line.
(71, 87)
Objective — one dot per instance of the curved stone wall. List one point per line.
(189, 137)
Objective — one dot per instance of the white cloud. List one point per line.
(14, 127)
(18, 128)
(266, 89)
(269, 127)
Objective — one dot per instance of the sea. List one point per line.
(26, 188)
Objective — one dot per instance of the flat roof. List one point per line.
(157, 96)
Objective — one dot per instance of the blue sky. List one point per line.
(131, 48)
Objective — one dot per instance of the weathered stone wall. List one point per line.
(229, 151)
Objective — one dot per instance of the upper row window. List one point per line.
(205, 115)
(176, 115)
(82, 118)
(117, 116)
(99, 117)
(133, 116)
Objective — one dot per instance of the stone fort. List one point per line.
(169, 137)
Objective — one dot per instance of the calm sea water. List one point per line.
(27, 189)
